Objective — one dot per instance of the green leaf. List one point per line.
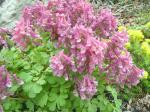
(39, 57)
(118, 103)
(95, 101)
(38, 67)
(64, 96)
(76, 102)
(26, 77)
(101, 88)
(41, 99)
(61, 102)
(52, 106)
(63, 89)
(32, 89)
(84, 110)
(41, 81)
(6, 105)
(60, 80)
(51, 79)
(92, 108)
(52, 97)
(14, 88)
(113, 91)
(30, 105)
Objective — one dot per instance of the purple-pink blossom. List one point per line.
(26, 30)
(121, 69)
(123, 72)
(80, 31)
(119, 39)
(105, 23)
(86, 49)
(6, 81)
(87, 87)
(62, 65)
(2, 41)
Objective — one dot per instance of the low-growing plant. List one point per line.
(44, 92)
(139, 48)
(69, 56)
(146, 30)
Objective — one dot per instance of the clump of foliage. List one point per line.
(68, 56)
(146, 30)
(140, 50)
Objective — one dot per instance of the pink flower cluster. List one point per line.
(87, 87)
(6, 81)
(86, 49)
(80, 31)
(2, 41)
(61, 65)
(105, 23)
(26, 30)
(121, 69)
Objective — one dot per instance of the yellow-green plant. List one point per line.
(139, 47)
(146, 30)
(135, 35)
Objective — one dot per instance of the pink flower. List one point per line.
(86, 49)
(19, 34)
(62, 65)
(105, 23)
(87, 87)
(78, 29)
(2, 41)
(25, 30)
(119, 39)
(1, 108)
(121, 69)
(6, 81)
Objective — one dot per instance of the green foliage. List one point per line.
(139, 47)
(141, 56)
(135, 36)
(43, 92)
(146, 30)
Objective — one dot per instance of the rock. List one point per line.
(141, 105)
(1, 1)
(10, 11)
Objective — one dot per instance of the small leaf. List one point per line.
(52, 97)
(52, 106)
(51, 79)
(92, 108)
(41, 99)
(32, 89)
(38, 67)
(30, 105)
(26, 77)
(62, 102)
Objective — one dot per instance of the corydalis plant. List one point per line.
(6, 81)
(121, 69)
(86, 88)
(81, 32)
